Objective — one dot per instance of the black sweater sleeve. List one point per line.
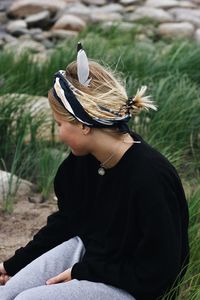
(52, 234)
(48, 237)
(156, 261)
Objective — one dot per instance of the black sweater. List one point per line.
(133, 222)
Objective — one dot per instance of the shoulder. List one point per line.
(151, 167)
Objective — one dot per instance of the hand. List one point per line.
(4, 277)
(62, 277)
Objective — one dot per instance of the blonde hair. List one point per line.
(105, 89)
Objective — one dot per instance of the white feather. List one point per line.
(83, 67)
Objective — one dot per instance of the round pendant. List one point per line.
(101, 171)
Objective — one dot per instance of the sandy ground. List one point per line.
(18, 228)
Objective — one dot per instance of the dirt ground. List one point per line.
(17, 229)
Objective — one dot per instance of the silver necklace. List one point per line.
(101, 170)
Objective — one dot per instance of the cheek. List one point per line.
(69, 138)
(63, 136)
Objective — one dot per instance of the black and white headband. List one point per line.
(66, 93)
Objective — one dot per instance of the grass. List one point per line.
(171, 71)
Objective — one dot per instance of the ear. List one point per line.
(85, 129)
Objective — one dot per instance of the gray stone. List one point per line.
(13, 26)
(129, 2)
(183, 29)
(187, 4)
(34, 31)
(47, 44)
(111, 8)
(7, 38)
(78, 9)
(122, 26)
(37, 106)
(129, 9)
(188, 17)
(1, 46)
(3, 18)
(70, 22)
(102, 17)
(63, 34)
(38, 20)
(95, 2)
(162, 3)
(156, 14)
(40, 58)
(21, 46)
(24, 8)
(13, 185)
(177, 11)
(197, 35)
(40, 37)
(4, 4)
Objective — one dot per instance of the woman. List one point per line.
(121, 228)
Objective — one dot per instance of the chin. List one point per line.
(79, 152)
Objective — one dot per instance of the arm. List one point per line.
(157, 260)
(55, 232)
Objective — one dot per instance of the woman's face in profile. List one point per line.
(72, 135)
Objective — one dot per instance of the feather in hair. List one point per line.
(82, 66)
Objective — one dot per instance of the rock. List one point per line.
(40, 57)
(20, 46)
(187, 4)
(37, 199)
(70, 22)
(122, 26)
(47, 44)
(183, 29)
(7, 37)
(5, 4)
(156, 14)
(197, 35)
(2, 43)
(40, 37)
(38, 107)
(78, 10)
(95, 2)
(13, 185)
(35, 31)
(111, 8)
(129, 9)
(178, 11)
(63, 34)
(16, 26)
(102, 17)
(129, 2)
(38, 20)
(188, 17)
(3, 18)
(162, 3)
(24, 8)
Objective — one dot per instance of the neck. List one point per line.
(109, 149)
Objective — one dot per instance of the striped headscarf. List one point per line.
(65, 93)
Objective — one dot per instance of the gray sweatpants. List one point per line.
(29, 283)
